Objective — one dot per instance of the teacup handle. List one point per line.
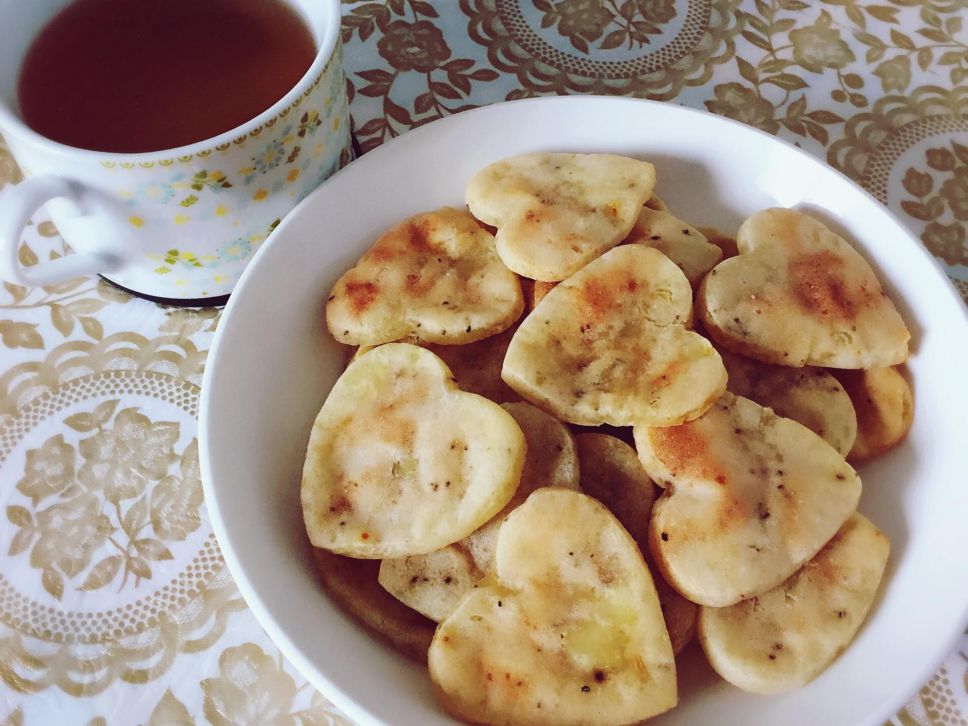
(17, 204)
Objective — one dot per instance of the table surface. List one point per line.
(115, 605)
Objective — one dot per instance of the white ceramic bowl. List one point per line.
(273, 363)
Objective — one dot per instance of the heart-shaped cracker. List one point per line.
(435, 583)
(352, 583)
(610, 345)
(798, 294)
(725, 242)
(435, 277)
(567, 631)
(749, 497)
(612, 473)
(884, 403)
(680, 242)
(534, 292)
(810, 396)
(401, 461)
(787, 636)
(475, 366)
(555, 213)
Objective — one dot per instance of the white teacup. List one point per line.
(180, 224)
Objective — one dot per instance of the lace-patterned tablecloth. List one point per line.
(115, 605)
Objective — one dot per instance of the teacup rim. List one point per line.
(12, 125)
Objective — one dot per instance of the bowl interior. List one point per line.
(272, 365)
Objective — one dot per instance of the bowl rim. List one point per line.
(255, 602)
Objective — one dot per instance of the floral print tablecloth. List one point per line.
(115, 605)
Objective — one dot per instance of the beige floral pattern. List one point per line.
(736, 101)
(418, 46)
(586, 21)
(409, 43)
(252, 689)
(71, 305)
(820, 46)
(119, 460)
(170, 712)
(124, 455)
(877, 87)
(650, 49)
(61, 527)
(939, 197)
(49, 470)
(68, 534)
(955, 191)
(771, 93)
(935, 42)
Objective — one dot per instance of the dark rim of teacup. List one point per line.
(12, 125)
(216, 301)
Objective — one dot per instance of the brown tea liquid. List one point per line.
(146, 75)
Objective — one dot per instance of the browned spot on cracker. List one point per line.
(825, 568)
(340, 504)
(596, 299)
(820, 286)
(684, 449)
(361, 295)
(417, 237)
(666, 376)
(382, 253)
(418, 285)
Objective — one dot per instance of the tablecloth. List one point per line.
(115, 604)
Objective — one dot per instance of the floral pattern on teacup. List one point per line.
(237, 250)
(285, 150)
(179, 189)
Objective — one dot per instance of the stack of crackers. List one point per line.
(576, 432)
